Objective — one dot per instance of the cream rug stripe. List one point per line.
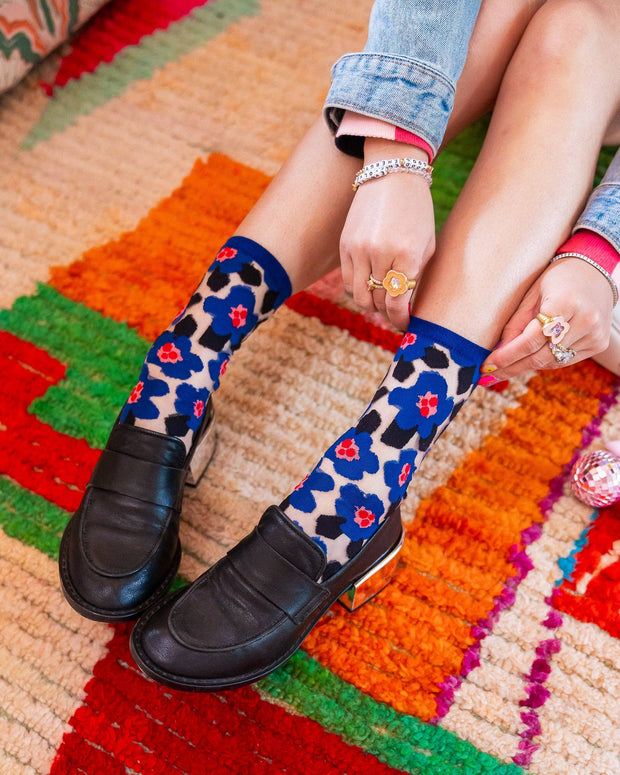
(47, 657)
(577, 675)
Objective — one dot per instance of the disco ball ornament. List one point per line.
(595, 478)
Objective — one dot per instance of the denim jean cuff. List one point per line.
(602, 213)
(405, 92)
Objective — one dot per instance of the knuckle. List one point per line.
(541, 361)
(601, 342)
(592, 319)
(362, 298)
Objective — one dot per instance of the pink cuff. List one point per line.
(365, 126)
(595, 247)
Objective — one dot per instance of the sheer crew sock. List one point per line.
(344, 499)
(241, 289)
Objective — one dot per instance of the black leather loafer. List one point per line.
(121, 550)
(248, 614)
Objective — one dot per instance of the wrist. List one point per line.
(378, 148)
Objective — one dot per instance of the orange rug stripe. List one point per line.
(162, 256)
(478, 515)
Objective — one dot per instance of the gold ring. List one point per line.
(394, 283)
(554, 327)
(373, 283)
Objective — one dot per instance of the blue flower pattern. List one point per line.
(233, 315)
(174, 356)
(361, 511)
(416, 404)
(302, 498)
(192, 402)
(352, 456)
(228, 260)
(215, 368)
(139, 402)
(397, 473)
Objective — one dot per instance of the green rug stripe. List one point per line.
(402, 741)
(102, 357)
(30, 518)
(82, 96)
(72, 333)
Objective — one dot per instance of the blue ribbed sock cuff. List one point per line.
(274, 273)
(463, 351)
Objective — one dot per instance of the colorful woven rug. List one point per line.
(127, 159)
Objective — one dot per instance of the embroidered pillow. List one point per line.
(30, 29)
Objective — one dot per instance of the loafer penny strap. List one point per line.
(140, 479)
(284, 585)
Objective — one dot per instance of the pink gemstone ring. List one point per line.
(554, 327)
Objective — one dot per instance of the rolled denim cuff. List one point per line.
(602, 213)
(405, 92)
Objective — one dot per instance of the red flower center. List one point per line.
(404, 474)
(238, 315)
(199, 407)
(347, 450)
(364, 517)
(303, 481)
(428, 404)
(226, 253)
(223, 367)
(169, 353)
(135, 393)
(408, 339)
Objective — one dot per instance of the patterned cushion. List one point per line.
(30, 29)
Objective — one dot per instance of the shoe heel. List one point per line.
(203, 451)
(372, 582)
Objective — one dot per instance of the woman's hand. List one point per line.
(390, 225)
(572, 289)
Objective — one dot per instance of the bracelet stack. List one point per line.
(378, 169)
(604, 272)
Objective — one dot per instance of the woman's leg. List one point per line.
(555, 108)
(525, 191)
(289, 229)
(247, 614)
(497, 32)
(121, 550)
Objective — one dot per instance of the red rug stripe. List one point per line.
(119, 24)
(27, 373)
(354, 322)
(127, 721)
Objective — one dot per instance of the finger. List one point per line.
(543, 360)
(524, 345)
(550, 356)
(365, 298)
(346, 267)
(398, 310)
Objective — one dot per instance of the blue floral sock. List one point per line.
(343, 500)
(242, 288)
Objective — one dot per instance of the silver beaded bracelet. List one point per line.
(606, 275)
(378, 169)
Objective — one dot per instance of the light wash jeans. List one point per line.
(602, 212)
(407, 73)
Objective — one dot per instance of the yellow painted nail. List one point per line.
(489, 369)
